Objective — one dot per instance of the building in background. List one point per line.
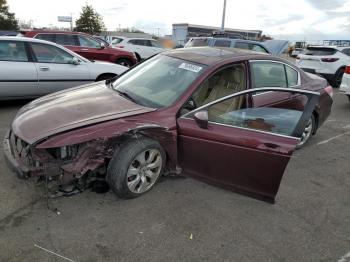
(183, 31)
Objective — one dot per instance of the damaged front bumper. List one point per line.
(12, 159)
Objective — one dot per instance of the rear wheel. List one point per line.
(135, 167)
(308, 131)
(338, 77)
(124, 62)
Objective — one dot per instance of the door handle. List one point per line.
(271, 145)
(44, 68)
(84, 49)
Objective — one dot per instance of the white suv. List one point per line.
(142, 47)
(327, 61)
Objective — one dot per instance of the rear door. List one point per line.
(269, 73)
(56, 70)
(245, 148)
(18, 74)
(91, 49)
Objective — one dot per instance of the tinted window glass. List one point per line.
(50, 54)
(88, 42)
(242, 45)
(63, 39)
(292, 76)
(156, 44)
(274, 119)
(258, 48)
(116, 40)
(47, 37)
(320, 51)
(222, 43)
(346, 51)
(268, 74)
(13, 51)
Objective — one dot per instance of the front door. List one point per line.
(233, 144)
(92, 50)
(56, 70)
(18, 75)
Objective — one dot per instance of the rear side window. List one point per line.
(242, 45)
(47, 37)
(269, 74)
(292, 76)
(222, 43)
(320, 51)
(63, 39)
(197, 42)
(13, 51)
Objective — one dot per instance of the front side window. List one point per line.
(223, 83)
(236, 112)
(63, 39)
(292, 76)
(268, 74)
(88, 42)
(116, 40)
(156, 44)
(50, 54)
(13, 51)
(159, 81)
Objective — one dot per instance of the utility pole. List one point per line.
(223, 17)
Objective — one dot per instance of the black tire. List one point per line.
(302, 143)
(124, 62)
(105, 77)
(138, 57)
(349, 97)
(122, 160)
(338, 77)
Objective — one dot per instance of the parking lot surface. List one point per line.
(187, 220)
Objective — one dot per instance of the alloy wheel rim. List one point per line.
(144, 171)
(307, 133)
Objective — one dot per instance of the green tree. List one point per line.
(89, 21)
(7, 20)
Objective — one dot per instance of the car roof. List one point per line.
(227, 38)
(213, 55)
(25, 39)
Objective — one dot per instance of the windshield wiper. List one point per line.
(127, 96)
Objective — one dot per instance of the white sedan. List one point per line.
(142, 47)
(31, 68)
(345, 83)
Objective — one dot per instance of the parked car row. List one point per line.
(227, 116)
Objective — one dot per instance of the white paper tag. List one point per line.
(190, 67)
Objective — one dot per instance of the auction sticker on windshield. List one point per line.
(190, 67)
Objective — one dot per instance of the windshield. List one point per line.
(159, 81)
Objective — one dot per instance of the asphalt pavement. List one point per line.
(182, 219)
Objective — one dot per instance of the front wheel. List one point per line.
(308, 131)
(124, 62)
(135, 167)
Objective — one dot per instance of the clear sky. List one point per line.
(288, 19)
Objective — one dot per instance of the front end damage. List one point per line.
(71, 169)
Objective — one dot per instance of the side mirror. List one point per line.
(75, 61)
(102, 46)
(201, 119)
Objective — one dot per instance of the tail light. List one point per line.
(329, 90)
(329, 60)
(347, 70)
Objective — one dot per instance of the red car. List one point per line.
(86, 46)
(227, 116)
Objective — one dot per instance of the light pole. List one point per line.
(223, 17)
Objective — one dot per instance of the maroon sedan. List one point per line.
(86, 46)
(227, 116)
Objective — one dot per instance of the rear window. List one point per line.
(197, 42)
(320, 51)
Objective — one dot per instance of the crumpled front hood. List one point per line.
(70, 109)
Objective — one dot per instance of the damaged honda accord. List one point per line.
(229, 117)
